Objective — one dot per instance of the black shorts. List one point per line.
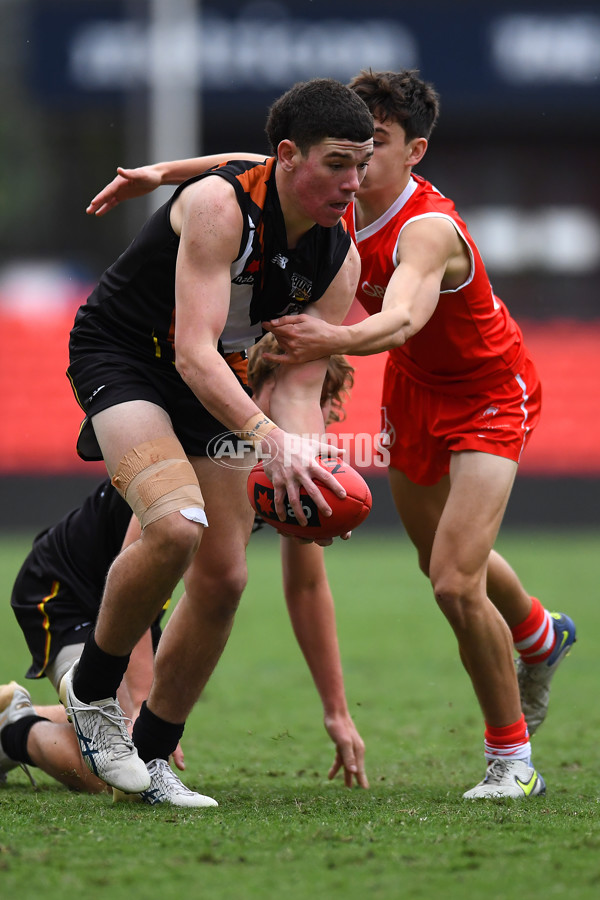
(52, 615)
(101, 380)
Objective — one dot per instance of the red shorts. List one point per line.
(425, 425)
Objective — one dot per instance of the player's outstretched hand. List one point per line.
(349, 752)
(127, 184)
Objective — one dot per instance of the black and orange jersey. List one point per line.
(133, 305)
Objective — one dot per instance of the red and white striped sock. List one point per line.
(508, 741)
(534, 638)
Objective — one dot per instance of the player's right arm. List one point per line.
(131, 183)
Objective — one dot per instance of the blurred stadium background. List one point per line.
(88, 86)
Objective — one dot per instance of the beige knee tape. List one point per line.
(156, 480)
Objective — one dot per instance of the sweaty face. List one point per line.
(326, 180)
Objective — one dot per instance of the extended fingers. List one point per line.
(350, 758)
(107, 198)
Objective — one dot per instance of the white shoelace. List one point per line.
(161, 768)
(496, 771)
(117, 737)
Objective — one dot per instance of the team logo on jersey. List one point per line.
(301, 288)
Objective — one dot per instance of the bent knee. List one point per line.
(458, 597)
(174, 538)
(156, 479)
(232, 582)
(218, 586)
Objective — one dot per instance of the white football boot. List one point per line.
(106, 746)
(512, 778)
(166, 787)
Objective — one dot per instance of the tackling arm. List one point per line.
(424, 250)
(130, 183)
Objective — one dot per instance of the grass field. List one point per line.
(256, 742)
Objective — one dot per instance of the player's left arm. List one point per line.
(425, 249)
(312, 613)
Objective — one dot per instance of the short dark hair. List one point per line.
(402, 97)
(313, 110)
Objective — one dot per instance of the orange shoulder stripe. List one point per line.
(254, 181)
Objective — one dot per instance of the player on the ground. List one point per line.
(58, 591)
(461, 397)
(55, 598)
